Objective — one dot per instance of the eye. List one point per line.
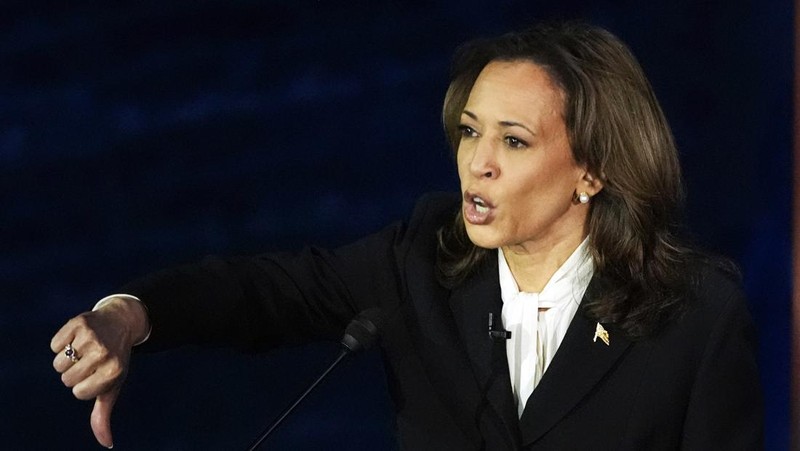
(515, 143)
(467, 131)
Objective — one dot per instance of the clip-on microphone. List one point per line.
(496, 333)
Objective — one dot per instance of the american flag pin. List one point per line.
(602, 333)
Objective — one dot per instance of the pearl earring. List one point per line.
(583, 197)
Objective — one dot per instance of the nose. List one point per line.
(484, 160)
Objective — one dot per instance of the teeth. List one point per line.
(480, 205)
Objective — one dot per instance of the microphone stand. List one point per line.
(342, 354)
(360, 334)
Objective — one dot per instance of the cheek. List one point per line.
(553, 180)
(462, 165)
(543, 190)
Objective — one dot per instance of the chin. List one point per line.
(482, 237)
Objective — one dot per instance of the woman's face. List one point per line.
(518, 176)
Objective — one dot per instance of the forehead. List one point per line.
(521, 87)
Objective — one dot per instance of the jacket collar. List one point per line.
(579, 364)
(471, 302)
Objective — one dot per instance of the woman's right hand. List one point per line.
(102, 341)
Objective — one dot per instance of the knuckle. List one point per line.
(114, 370)
(79, 322)
(55, 343)
(100, 355)
(66, 380)
(81, 393)
(102, 350)
(90, 335)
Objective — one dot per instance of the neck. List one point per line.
(533, 265)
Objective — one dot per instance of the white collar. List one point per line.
(575, 272)
(537, 334)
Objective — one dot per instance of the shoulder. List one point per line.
(434, 209)
(715, 286)
(431, 212)
(716, 304)
(414, 236)
(718, 336)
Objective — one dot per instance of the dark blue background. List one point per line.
(147, 134)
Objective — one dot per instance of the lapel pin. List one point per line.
(602, 333)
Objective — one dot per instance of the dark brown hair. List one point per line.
(616, 129)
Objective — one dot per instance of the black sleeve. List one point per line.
(267, 300)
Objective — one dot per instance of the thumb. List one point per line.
(101, 417)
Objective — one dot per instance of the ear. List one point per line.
(589, 184)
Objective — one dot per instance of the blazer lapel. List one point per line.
(471, 302)
(579, 364)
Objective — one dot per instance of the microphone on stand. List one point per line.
(360, 334)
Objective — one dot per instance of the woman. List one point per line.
(621, 337)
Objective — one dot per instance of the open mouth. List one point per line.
(480, 205)
(477, 210)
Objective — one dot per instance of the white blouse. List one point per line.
(535, 335)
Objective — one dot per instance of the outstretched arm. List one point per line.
(100, 344)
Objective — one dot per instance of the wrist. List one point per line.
(133, 310)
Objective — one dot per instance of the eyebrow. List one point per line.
(503, 123)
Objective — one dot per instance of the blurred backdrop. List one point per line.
(137, 135)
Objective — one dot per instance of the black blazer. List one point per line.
(694, 386)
